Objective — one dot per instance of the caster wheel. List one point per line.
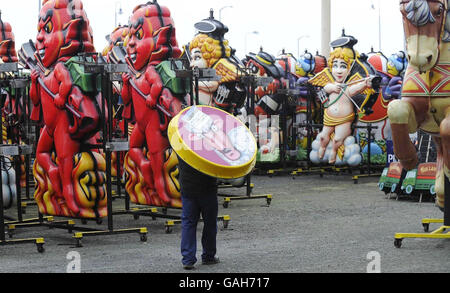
(144, 237)
(225, 204)
(79, 244)
(168, 230)
(83, 221)
(269, 201)
(426, 227)
(99, 221)
(164, 211)
(40, 248)
(225, 224)
(136, 217)
(398, 243)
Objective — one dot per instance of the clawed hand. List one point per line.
(34, 75)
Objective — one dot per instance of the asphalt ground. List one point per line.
(312, 225)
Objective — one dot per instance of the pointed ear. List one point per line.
(165, 43)
(162, 44)
(71, 31)
(77, 34)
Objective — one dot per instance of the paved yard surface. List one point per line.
(313, 225)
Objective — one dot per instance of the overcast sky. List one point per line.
(279, 23)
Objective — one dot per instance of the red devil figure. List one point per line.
(69, 110)
(8, 54)
(7, 48)
(150, 41)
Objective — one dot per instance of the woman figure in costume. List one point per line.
(209, 49)
(268, 103)
(339, 111)
(396, 67)
(307, 66)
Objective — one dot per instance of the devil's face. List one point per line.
(50, 37)
(63, 31)
(140, 44)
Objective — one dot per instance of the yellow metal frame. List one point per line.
(436, 234)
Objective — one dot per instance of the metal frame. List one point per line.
(14, 150)
(194, 75)
(109, 73)
(436, 234)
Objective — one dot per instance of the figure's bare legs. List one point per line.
(66, 148)
(341, 132)
(44, 158)
(157, 145)
(324, 139)
(137, 140)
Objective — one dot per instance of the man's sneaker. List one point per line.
(188, 267)
(211, 261)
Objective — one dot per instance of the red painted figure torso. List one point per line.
(63, 33)
(151, 40)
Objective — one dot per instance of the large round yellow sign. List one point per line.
(213, 141)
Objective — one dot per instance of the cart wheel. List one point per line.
(144, 237)
(40, 247)
(168, 230)
(225, 204)
(398, 243)
(269, 201)
(409, 189)
(225, 224)
(432, 191)
(426, 227)
(393, 188)
(136, 217)
(79, 244)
